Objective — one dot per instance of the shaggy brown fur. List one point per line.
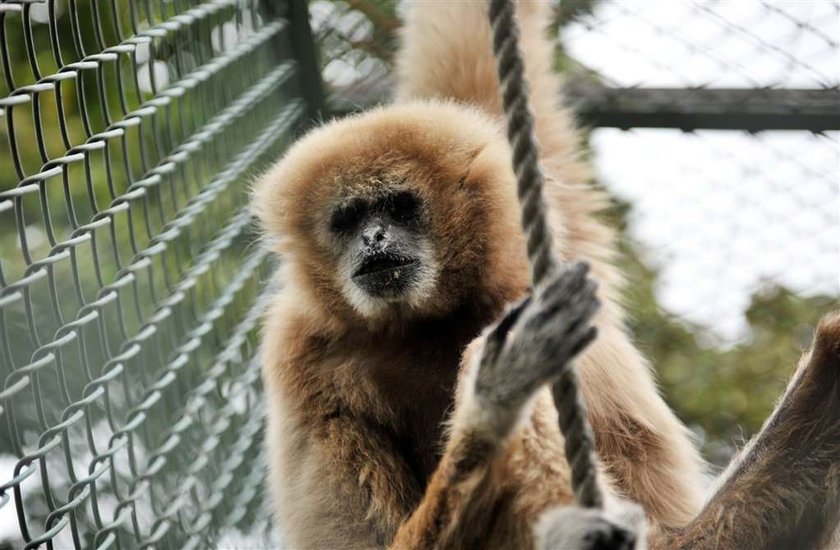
(356, 404)
(784, 490)
(488, 490)
(357, 400)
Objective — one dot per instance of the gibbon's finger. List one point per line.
(585, 293)
(580, 299)
(569, 346)
(583, 342)
(563, 285)
(498, 332)
(532, 356)
(552, 349)
(567, 311)
(579, 268)
(510, 317)
(565, 338)
(584, 309)
(568, 290)
(578, 272)
(579, 326)
(566, 283)
(583, 306)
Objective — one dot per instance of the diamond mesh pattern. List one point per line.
(129, 289)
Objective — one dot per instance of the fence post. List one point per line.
(304, 52)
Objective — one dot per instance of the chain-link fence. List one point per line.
(748, 66)
(735, 207)
(715, 126)
(130, 288)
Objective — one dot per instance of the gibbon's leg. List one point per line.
(783, 492)
(467, 503)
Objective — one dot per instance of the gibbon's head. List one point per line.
(407, 210)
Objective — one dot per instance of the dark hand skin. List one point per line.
(536, 340)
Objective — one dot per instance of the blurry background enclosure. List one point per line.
(130, 286)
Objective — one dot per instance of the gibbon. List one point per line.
(400, 242)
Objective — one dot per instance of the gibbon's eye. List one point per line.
(404, 207)
(346, 218)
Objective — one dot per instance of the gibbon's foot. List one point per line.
(537, 338)
(575, 528)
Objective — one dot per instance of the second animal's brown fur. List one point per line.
(783, 491)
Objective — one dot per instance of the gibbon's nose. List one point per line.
(374, 235)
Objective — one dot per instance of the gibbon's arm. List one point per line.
(468, 503)
(342, 481)
(783, 491)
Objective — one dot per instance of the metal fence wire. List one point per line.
(683, 64)
(129, 287)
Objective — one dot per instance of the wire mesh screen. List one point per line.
(714, 125)
(129, 290)
(720, 214)
(736, 233)
(748, 65)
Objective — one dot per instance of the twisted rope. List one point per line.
(571, 409)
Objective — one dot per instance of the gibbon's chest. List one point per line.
(405, 388)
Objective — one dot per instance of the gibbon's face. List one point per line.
(383, 248)
(408, 210)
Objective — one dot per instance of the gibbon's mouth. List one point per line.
(385, 274)
(383, 263)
